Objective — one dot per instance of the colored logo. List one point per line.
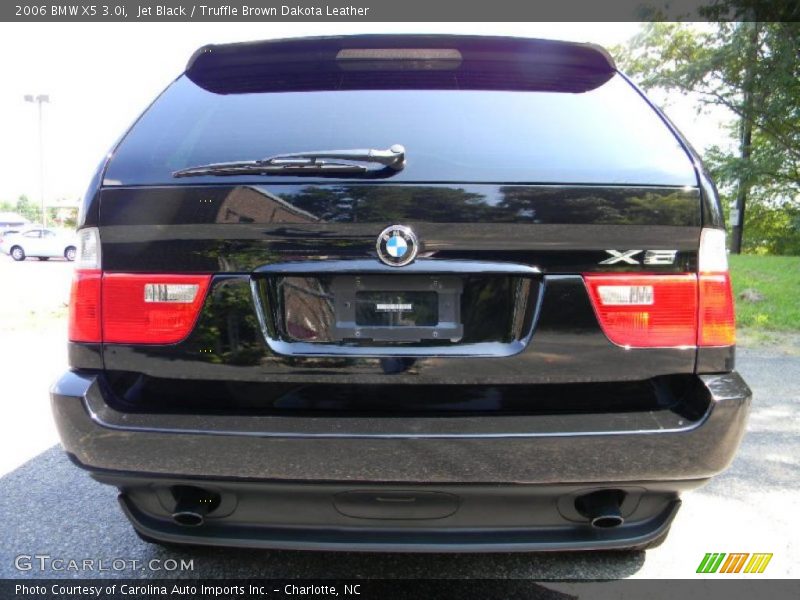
(737, 562)
(397, 245)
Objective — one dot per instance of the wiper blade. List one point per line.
(325, 162)
(257, 167)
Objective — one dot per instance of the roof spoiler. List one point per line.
(400, 62)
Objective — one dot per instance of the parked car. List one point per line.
(7, 232)
(40, 243)
(416, 293)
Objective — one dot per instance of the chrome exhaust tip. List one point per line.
(192, 504)
(188, 518)
(602, 508)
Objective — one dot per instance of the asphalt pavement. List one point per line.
(48, 507)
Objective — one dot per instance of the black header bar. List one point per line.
(398, 10)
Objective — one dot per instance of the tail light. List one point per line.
(717, 319)
(84, 306)
(646, 310)
(85, 316)
(717, 315)
(151, 309)
(130, 308)
(686, 309)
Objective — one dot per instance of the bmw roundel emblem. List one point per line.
(397, 245)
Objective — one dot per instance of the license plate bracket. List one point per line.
(399, 308)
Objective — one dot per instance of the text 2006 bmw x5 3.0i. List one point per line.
(425, 293)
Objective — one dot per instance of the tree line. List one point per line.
(752, 69)
(62, 216)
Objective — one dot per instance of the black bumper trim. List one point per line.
(441, 535)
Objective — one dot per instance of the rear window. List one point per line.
(607, 135)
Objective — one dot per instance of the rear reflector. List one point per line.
(84, 306)
(646, 310)
(151, 309)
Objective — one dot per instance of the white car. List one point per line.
(40, 243)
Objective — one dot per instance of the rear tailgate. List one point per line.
(524, 176)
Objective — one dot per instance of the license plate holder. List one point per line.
(407, 309)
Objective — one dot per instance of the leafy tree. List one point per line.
(66, 216)
(753, 70)
(28, 209)
(773, 228)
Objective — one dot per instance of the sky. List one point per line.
(101, 76)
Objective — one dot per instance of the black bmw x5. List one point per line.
(424, 293)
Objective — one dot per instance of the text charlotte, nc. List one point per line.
(244, 10)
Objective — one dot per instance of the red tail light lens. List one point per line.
(84, 306)
(646, 310)
(151, 309)
(717, 320)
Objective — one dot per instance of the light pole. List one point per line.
(40, 99)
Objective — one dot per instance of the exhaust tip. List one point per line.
(192, 504)
(607, 521)
(188, 518)
(602, 508)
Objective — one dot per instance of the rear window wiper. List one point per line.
(325, 162)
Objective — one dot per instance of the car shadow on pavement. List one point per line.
(50, 507)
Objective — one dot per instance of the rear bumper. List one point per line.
(563, 448)
(512, 479)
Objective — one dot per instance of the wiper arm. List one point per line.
(307, 163)
(394, 157)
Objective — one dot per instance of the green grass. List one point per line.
(777, 279)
